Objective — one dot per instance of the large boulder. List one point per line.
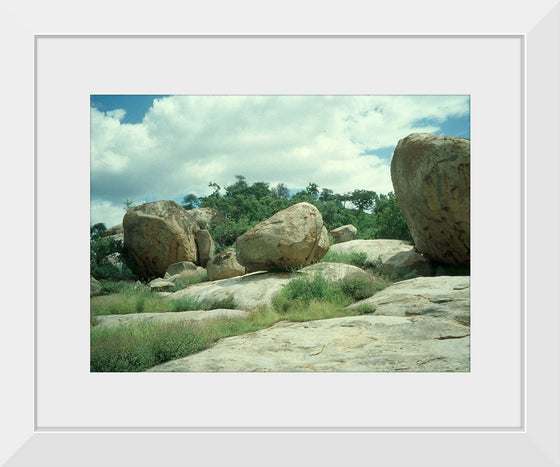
(323, 245)
(431, 178)
(390, 255)
(206, 216)
(205, 247)
(224, 265)
(288, 239)
(344, 233)
(157, 235)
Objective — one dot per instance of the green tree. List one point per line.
(280, 191)
(191, 201)
(96, 230)
(127, 204)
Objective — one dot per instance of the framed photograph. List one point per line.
(504, 411)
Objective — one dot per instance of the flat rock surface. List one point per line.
(441, 296)
(358, 343)
(247, 292)
(170, 317)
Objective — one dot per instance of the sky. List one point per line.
(151, 147)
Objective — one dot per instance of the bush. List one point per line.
(355, 259)
(136, 348)
(358, 287)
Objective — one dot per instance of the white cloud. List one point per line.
(106, 212)
(184, 142)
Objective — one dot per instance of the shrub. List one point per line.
(355, 259)
(136, 348)
(358, 287)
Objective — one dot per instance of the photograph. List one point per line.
(280, 233)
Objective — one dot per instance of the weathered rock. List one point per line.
(188, 274)
(178, 268)
(161, 285)
(358, 343)
(224, 265)
(114, 259)
(111, 321)
(392, 255)
(157, 235)
(206, 216)
(288, 239)
(323, 245)
(431, 177)
(245, 292)
(334, 271)
(94, 287)
(259, 288)
(115, 230)
(205, 246)
(344, 233)
(442, 297)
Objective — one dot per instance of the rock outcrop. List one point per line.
(94, 286)
(442, 297)
(288, 239)
(178, 268)
(110, 321)
(115, 230)
(431, 178)
(244, 293)
(157, 235)
(206, 216)
(205, 246)
(224, 265)
(357, 343)
(334, 271)
(344, 233)
(391, 255)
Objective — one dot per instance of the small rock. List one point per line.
(224, 265)
(178, 268)
(344, 233)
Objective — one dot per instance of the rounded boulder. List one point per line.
(288, 239)
(431, 178)
(157, 235)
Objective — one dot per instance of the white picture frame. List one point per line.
(533, 442)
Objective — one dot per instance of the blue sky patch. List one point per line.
(135, 105)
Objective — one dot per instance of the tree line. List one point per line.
(245, 205)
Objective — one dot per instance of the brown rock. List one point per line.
(344, 233)
(115, 230)
(224, 265)
(323, 245)
(431, 177)
(205, 246)
(288, 239)
(206, 216)
(157, 235)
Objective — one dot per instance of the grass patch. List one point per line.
(141, 346)
(109, 287)
(355, 259)
(186, 279)
(136, 348)
(301, 291)
(144, 301)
